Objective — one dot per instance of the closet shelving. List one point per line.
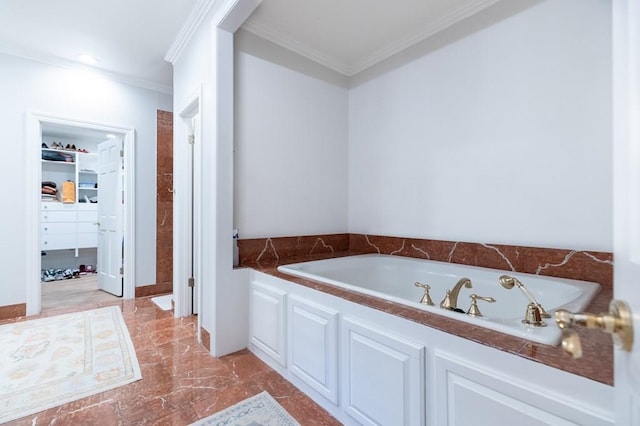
(70, 225)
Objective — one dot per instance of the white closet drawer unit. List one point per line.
(87, 216)
(57, 216)
(87, 228)
(58, 242)
(57, 206)
(53, 228)
(57, 226)
(87, 240)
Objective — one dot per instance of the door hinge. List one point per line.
(192, 139)
(192, 282)
(122, 270)
(122, 153)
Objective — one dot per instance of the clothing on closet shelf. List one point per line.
(49, 191)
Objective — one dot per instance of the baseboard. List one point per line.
(13, 311)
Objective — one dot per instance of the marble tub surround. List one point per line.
(578, 265)
(271, 250)
(562, 263)
(597, 362)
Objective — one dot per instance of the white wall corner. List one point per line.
(229, 16)
(189, 29)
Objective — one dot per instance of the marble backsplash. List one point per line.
(563, 263)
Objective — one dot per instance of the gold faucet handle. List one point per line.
(617, 322)
(474, 311)
(571, 343)
(426, 299)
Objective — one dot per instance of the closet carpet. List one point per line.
(73, 292)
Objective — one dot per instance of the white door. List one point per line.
(626, 125)
(110, 213)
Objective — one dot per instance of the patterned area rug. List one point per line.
(47, 362)
(259, 410)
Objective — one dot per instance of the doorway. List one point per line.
(187, 210)
(60, 246)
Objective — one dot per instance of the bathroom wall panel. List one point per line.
(504, 135)
(291, 130)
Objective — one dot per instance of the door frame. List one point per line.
(34, 122)
(187, 212)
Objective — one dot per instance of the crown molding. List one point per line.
(288, 42)
(189, 29)
(379, 55)
(37, 56)
(441, 24)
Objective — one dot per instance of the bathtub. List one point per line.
(392, 278)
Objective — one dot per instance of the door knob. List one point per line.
(618, 323)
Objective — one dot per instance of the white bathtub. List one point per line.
(393, 277)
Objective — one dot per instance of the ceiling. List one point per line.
(131, 38)
(349, 36)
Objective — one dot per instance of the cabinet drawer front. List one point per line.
(87, 227)
(58, 228)
(57, 207)
(87, 216)
(87, 240)
(57, 216)
(57, 242)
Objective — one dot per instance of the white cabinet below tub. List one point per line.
(383, 380)
(313, 345)
(267, 320)
(471, 393)
(398, 372)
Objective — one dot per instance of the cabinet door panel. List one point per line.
(383, 380)
(469, 394)
(267, 324)
(313, 346)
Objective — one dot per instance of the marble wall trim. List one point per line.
(13, 311)
(154, 289)
(206, 338)
(562, 263)
(272, 250)
(164, 197)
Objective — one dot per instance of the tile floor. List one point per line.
(181, 382)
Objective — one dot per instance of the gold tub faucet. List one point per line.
(450, 300)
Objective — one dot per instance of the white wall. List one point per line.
(290, 143)
(193, 78)
(28, 86)
(204, 65)
(503, 136)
